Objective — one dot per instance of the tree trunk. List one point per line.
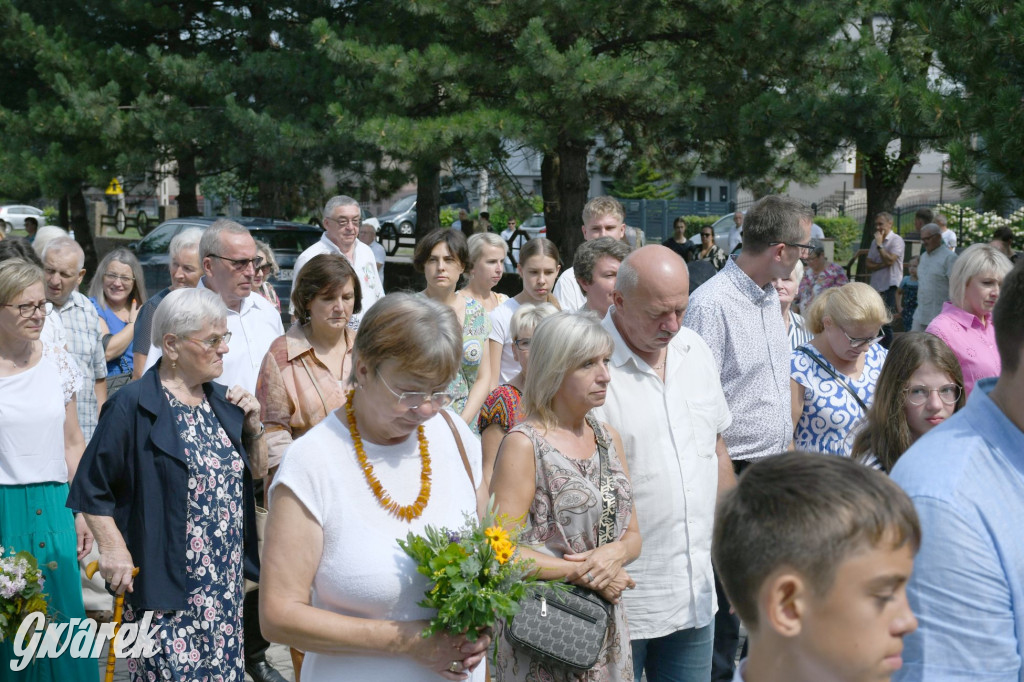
(884, 178)
(188, 182)
(565, 183)
(428, 196)
(79, 222)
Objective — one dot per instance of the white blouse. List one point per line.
(32, 409)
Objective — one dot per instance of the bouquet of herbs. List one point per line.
(21, 591)
(476, 575)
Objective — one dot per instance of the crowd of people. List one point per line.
(752, 444)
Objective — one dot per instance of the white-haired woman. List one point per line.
(40, 447)
(833, 377)
(796, 326)
(166, 485)
(487, 252)
(185, 272)
(965, 323)
(118, 291)
(335, 583)
(500, 411)
(549, 477)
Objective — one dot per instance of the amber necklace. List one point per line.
(405, 512)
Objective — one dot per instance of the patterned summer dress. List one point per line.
(204, 642)
(563, 519)
(476, 327)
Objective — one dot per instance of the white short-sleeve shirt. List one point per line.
(669, 431)
(501, 319)
(363, 572)
(365, 265)
(568, 292)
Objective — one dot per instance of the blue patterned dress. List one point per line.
(476, 327)
(204, 642)
(829, 411)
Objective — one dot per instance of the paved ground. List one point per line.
(278, 656)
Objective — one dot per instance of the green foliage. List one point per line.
(475, 573)
(641, 181)
(846, 231)
(972, 227)
(448, 216)
(694, 223)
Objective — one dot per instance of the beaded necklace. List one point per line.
(404, 512)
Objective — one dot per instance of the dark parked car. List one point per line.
(287, 240)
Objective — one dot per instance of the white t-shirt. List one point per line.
(949, 239)
(669, 430)
(253, 329)
(568, 292)
(365, 266)
(33, 405)
(53, 331)
(381, 257)
(363, 572)
(501, 319)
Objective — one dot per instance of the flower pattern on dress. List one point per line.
(813, 283)
(830, 413)
(204, 641)
(564, 517)
(476, 327)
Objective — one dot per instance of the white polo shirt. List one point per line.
(669, 430)
(253, 328)
(365, 266)
(568, 292)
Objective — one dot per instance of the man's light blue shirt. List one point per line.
(966, 478)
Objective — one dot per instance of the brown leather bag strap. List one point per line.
(462, 449)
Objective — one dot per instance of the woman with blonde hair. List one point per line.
(833, 377)
(487, 253)
(269, 268)
(965, 323)
(561, 476)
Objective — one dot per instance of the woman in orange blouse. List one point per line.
(305, 373)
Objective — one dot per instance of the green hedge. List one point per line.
(694, 223)
(846, 231)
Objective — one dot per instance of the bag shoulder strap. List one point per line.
(842, 382)
(458, 442)
(609, 503)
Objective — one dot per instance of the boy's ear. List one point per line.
(784, 602)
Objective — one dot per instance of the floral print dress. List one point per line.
(204, 642)
(476, 327)
(563, 519)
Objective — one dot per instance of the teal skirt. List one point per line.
(33, 518)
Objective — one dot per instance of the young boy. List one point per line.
(814, 553)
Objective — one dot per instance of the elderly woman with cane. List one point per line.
(166, 485)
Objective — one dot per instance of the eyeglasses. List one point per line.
(240, 265)
(124, 279)
(521, 344)
(345, 222)
(29, 309)
(918, 395)
(265, 269)
(803, 247)
(412, 400)
(214, 341)
(859, 343)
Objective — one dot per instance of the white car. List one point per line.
(13, 217)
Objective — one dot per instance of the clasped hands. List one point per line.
(601, 569)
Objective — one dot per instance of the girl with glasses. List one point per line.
(118, 291)
(919, 387)
(833, 377)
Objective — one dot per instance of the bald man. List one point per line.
(677, 461)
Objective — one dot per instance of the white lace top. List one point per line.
(32, 409)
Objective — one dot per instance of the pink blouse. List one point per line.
(973, 343)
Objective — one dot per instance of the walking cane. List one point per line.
(90, 571)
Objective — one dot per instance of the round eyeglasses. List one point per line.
(918, 395)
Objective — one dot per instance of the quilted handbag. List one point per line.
(567, 625)
(563, 626)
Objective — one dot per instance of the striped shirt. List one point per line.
(82, 323)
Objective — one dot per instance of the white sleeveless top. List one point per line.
(363, 572)
(32, 410)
